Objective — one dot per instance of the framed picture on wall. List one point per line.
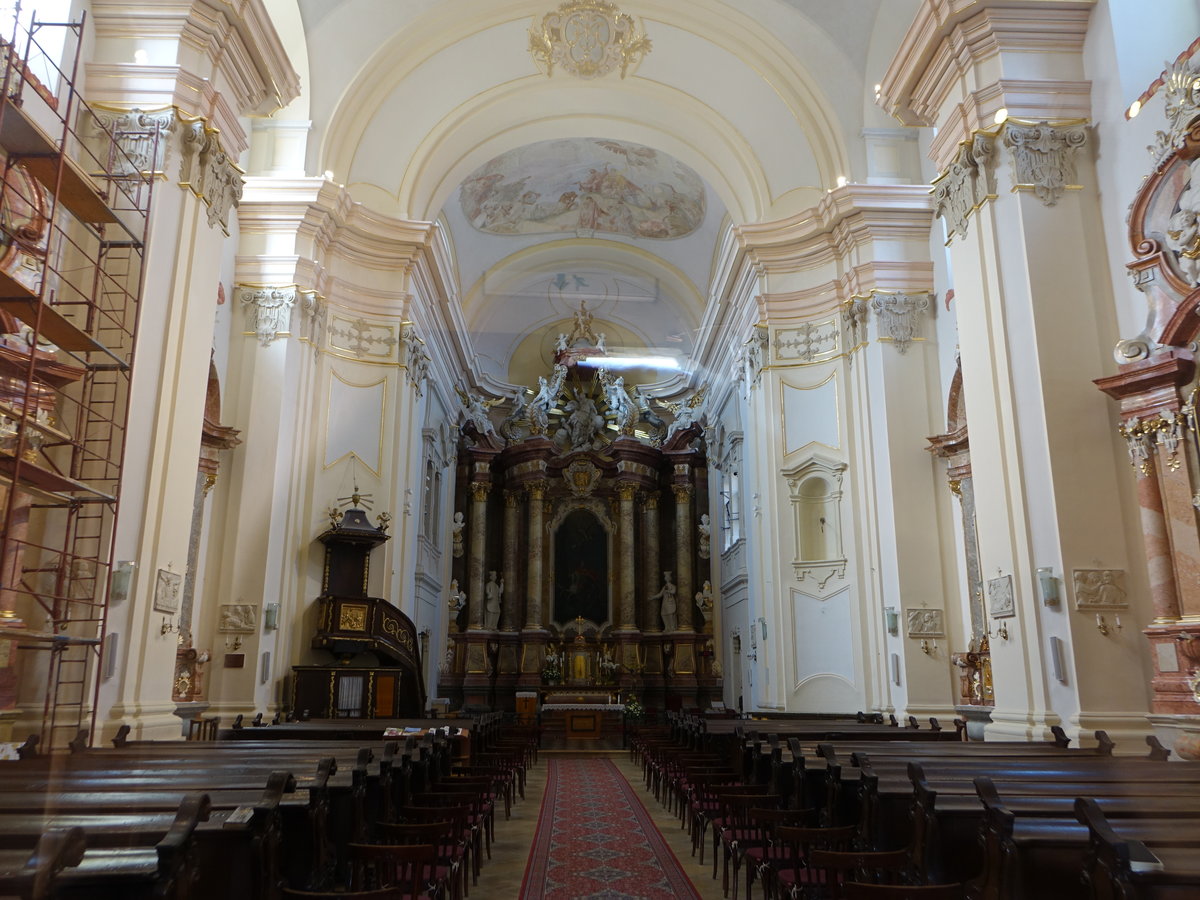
(166, 591)
(1001, 603)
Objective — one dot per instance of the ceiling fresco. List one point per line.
(584, 185)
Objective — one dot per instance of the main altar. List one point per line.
(581, 546)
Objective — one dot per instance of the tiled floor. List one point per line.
(502, 876)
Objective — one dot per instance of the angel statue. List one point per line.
(618, 401)
(508, 428)
(546, 399)
(476, 409)
(686, 412)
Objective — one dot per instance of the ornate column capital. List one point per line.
(968, 182)
(1043, 155)
(683, 492)
(205, 168)
(626, 491)
(512, 499)
(537, 488)
(899, 317)
(480, 491)
(268, 310)
(650, 500)
(416, 360)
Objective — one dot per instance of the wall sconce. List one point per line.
(892, 618)
(234, 644)
(1000, 632)
(1104, 628)
(763, 623)
(1048, 585)
(167, 627)
(929, 648)
(270, 616)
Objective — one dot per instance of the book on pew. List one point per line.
(1142, 859)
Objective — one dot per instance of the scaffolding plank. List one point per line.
(54, 327)
(23, 139)
(44, 480)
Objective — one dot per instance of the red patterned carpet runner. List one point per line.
(595, 840)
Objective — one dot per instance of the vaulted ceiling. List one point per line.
(613, 190)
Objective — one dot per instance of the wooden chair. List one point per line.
(443, 835)
(838, 867)
(412, 869)
(791, 870)
(381, 894)
(856, 890)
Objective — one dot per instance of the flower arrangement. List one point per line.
(634, 709)
(552, 667)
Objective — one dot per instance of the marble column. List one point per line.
(651, 567)
(510, 612)
(534, 588)
(628, 567)
(476, 553)
(684, 532)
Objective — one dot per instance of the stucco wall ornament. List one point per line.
(1043, 156)
(756, 352)
(1182, 106)
(1183, 228)
(854, 322)
(588, 39)
(899, 317)
(416, 359)
(313, 310)
(967, 183)
(268, 310)
(807, 342)
(362, 338)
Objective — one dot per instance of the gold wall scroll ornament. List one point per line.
(352, 617)
(588, 39)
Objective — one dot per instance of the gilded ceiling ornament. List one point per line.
(588, 38)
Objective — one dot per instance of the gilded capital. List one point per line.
(512, 499)
(650, 500)
(537, 488)
(683, 492)
(480, 491)
(626, 491)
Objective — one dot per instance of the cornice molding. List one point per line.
(846, 218)
(950, 38)
(235, 38)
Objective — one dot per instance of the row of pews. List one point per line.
(862, 808)
(277, 813)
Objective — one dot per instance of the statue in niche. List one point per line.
(458, 599)
(494, 592)
(457, 532)
(670, 606)
(704, 601)
(705, 529)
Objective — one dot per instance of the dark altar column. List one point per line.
(475, 562)
(535, 588)
(651, 568)
(510, 613)
(627, 573)
(684, 531)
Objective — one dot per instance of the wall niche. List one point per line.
(815, 490)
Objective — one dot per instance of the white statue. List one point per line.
(494, 592)
(1183, 228)
(457, 532)
(583, 423)
(476, 409)
(600, 342)
(618, 401)
(547, 399)
(705, 530)
(670, 607)
(704, 601)
(560, 345)
(458, 599)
